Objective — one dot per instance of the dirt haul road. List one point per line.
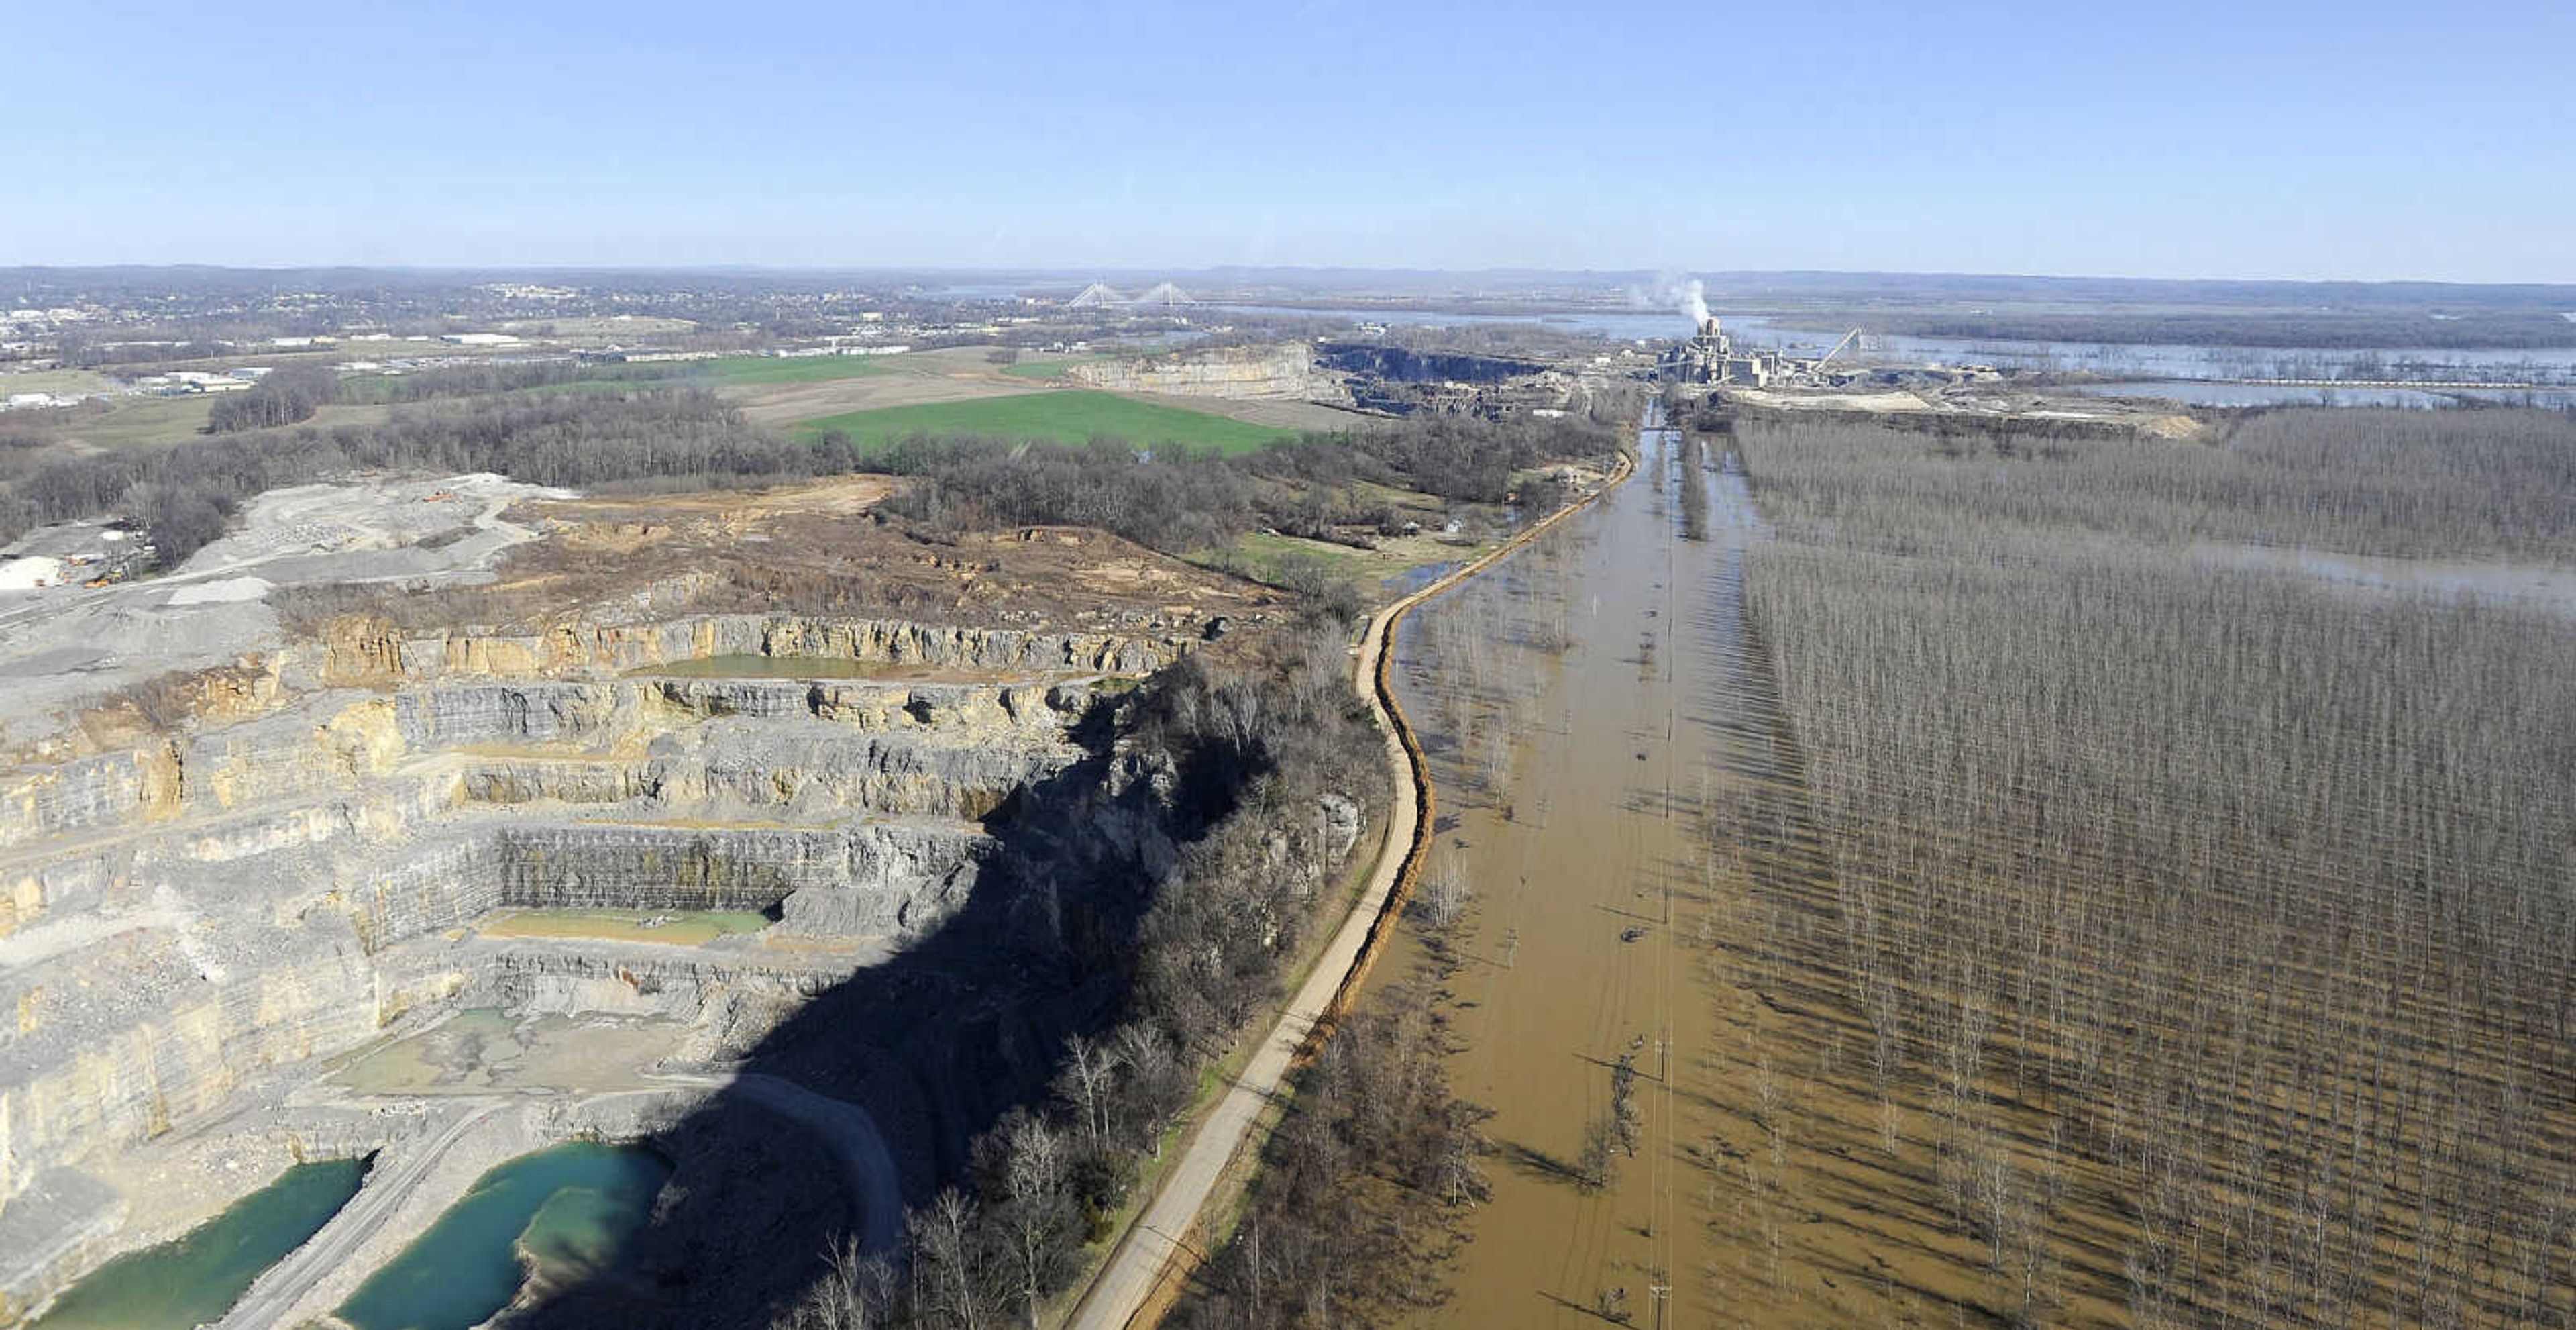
(1160, 1248)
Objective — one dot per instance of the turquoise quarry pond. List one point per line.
(198, 1278)
(566, 1208)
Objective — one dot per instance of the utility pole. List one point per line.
(1657, 1293)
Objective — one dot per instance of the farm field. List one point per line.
(134, 422)
(65, 381)
(1068, 416)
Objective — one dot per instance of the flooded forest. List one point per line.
(1895, 877)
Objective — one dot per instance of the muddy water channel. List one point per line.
(1606, 745)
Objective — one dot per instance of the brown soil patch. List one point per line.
(957, 374)
(814, 549)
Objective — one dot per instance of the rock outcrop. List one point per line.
(1285, 372)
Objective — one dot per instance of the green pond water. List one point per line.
(199, 1277)
(565, 1210)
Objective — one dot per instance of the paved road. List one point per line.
(1126, 1283)
(275, 1294)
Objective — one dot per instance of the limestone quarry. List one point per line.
(1286, 371)
(440, 820)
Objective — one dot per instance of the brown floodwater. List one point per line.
(1617, 788)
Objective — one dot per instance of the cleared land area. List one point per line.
(1069, 416)
(1277, 413)
(949, 375)
(1274, 559)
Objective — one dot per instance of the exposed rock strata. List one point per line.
(1285, 372)
(193, 915)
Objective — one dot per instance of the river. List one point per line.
(1596, 712)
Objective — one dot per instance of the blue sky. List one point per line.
(2364, 139)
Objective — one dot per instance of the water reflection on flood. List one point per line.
(1599, 721)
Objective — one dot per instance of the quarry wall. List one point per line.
(1286, 372)
(185, 919)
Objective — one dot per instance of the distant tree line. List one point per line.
(499, 377)
(2390, 483)
(285, 397)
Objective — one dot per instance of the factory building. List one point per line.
(1710, 358)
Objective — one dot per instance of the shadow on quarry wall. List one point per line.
(936, 1044)
(1390, 378)
(1398, 364)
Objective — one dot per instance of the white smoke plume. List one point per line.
(1672, 292)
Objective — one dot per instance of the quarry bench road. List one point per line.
(275, 1294)
(1154, 1248)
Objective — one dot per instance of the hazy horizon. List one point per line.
(2288, 142)
(1046, 274)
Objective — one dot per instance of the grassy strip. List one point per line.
(1048, 369)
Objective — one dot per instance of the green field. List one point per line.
(1048, 369)
(746, 370)
(1067, 417)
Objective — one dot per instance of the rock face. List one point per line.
(358, 654)
(192, 917)
(1286, 372)
(1402, 365)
